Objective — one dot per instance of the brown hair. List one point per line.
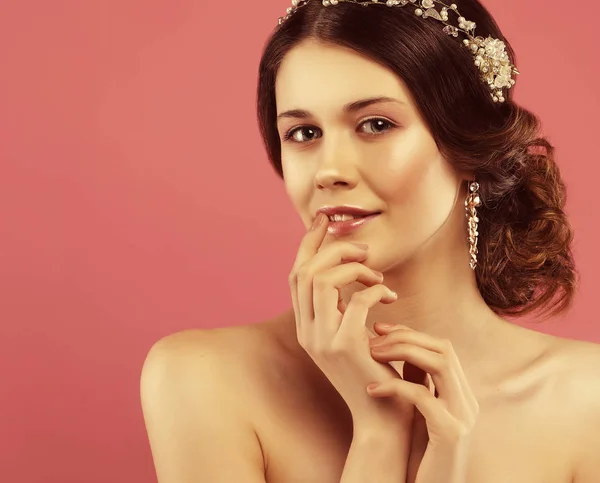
(525, 261)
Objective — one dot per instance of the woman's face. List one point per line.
(379, 156)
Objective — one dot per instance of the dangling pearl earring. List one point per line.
(471, 203)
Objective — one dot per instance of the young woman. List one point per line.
(433, 206)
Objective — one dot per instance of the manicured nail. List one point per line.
(360, 245)
(317, 221)
(384, 326)
(372, 386)
(381, 347)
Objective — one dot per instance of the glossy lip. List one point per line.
(342, 228)
(345, 210)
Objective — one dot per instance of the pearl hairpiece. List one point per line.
(489, 54)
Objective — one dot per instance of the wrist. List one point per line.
(378, 452)
(382, 414)
(382, 428)
(387, 441)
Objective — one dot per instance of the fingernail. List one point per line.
(392, 326)
(317, 221)
(360, 245)
(381, 347)
(372, 386)
(377, 340)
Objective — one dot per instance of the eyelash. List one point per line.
(288, 135)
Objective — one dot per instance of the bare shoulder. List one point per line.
(577, 389)
(578, 361)
(572, 367)
(196, 390)
(560, 374)
(205, 357)
(228, 345)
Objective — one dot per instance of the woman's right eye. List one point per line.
(302, 134)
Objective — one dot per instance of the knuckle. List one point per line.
(360, 298)
(442, 365)
(420, 392)
(447, 347)
(293, 272)
(354, 266)
(458, 431)
(358, 302)
(423, 392)
(304, 273)
(396, 385)
(292, 278)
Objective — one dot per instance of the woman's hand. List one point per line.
(446, 418)
(334, 334)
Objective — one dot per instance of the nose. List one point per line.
(337, 165)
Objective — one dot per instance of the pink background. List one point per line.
(136, 200)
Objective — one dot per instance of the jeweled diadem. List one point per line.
(489, 54)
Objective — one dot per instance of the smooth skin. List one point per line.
(267, 401)
(337, 340)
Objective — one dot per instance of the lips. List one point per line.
(349, 217)
(346, 210)
(347, 227)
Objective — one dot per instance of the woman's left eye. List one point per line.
(377, 125)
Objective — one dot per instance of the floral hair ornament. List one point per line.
(490, 57)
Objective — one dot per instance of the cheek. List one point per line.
(406, 169)
(417, 184)
(297, 186)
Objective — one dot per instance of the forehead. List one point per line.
(315, 75)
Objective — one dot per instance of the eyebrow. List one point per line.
(350, 107)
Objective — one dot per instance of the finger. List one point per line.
(328, 257)
(309, 246)
(309, 285)
(434, 411)
(354, 320)
(444, 377)
(403, 334)
(328, 284)
(385, 328)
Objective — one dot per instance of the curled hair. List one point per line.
(525, 261)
